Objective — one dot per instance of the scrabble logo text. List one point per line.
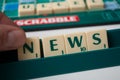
(50, 20)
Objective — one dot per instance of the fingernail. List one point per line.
(11, 39)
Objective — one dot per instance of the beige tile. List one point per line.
(31, 49)
(53, 45)
(75, 42)
(44, 8)
(60, 7)
(97, 39)
(26, 9)
(95, 4)
(76, 5)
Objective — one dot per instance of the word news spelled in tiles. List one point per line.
(79, 42)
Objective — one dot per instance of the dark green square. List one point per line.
(1, 7)
(1, 2)
(10, 1)
(43, 1)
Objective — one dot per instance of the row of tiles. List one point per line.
(59, 7)
(63, 44)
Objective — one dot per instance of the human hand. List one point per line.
(11, 36)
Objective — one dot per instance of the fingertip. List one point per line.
(11, 38)
(17, 38)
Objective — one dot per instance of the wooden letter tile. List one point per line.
(60, 7)
(44, 8)
(53, 45)
(26, 9)
(75, 42)
(95, 4)
(76, 5)
(97, 39)
(30, 50)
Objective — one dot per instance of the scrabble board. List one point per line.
(43, 65)
(52, 14)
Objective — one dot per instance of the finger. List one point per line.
(11, 37)
(5, 20)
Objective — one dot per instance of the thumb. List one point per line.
(11, 37)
